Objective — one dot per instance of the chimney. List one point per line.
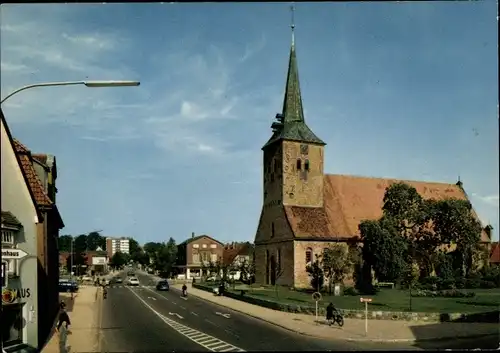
(192, 235)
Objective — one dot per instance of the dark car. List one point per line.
(162, 285)
(66, 286)
(118, 280)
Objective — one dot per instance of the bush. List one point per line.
(351, 291)
(487, 285)
(472, 283)
(449, 293)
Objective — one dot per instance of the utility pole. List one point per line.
(71, 260)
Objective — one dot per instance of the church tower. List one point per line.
(294, 155)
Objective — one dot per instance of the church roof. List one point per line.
(348, 200)
(291, 124)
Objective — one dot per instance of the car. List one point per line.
(130, 273)
(162, 286)
(68, 286)
(132, 281)
(118, 280)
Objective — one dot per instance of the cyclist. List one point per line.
(330, 310)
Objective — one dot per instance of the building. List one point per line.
(92, 262)
(235, 254)
(305, 210)
(196, 253)
(495, 254)
(19, 219)
(114, 245)
(42, 181)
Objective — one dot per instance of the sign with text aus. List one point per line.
(99, 260)
(14, 254)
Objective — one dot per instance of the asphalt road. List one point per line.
(143, 319)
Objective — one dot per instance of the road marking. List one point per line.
(151, 298)
(227, 316)
(219, 347)
(180, 306)
(180, 317)
(178, 327)
(184, 298)
(195, 314)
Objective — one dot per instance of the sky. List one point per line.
(397, 90)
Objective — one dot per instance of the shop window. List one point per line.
(12, 324)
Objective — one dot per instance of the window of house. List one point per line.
(196, 246)
(204, 246)
(204, 257)
(306, 164)
(299, 164)
(308, 255)
(272, 229)
(7, 237)
(213, 246)
(12, 324)
(196, 258)
(213, 257)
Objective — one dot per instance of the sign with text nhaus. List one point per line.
(99, 260)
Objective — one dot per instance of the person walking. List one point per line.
(63, 327)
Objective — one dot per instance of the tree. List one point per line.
(80, 244)
(119, 259)
(278, 273)
(316, 273)
(64, 243)
(454, 223)
(336, 263)
(78, 261)
(166, 257)
(384, 249)
(95, 240)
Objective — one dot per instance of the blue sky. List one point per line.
(400, 90)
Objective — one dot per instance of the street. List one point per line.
(143, 319)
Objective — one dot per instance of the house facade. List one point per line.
(19, 223)
(305, 210)
(196, 253)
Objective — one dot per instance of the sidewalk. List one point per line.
(84, 323)
(354, 329)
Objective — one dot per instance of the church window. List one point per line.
(276, 165)
(299, 164)
(272, 229)
(279, 259)
(309, 253)
(306, 165)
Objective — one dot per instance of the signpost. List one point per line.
(316, 297)
(13, 254)
(366, 301)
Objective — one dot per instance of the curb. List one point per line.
(375, 340)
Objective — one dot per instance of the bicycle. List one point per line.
(336, 318)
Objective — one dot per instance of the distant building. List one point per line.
(196, 253)
(114, 245)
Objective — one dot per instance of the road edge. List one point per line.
(375, 340)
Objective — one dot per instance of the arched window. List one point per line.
(306, 165)
(299, 164)
(309, 254)
(279, 259)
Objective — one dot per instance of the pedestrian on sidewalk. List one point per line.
(63, 318)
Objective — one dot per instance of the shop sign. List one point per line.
(10, 296)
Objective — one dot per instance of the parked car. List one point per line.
(118, 280)
(132, 281)
(162, 286)
(67, 286)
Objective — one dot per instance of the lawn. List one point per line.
(385, 300)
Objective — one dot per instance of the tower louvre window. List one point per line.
(306, 165)
(299, 164)
(272, 229)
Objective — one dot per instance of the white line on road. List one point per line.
(195, 314)
(189, 332)
(152, 298)
(180, 317)
(184, 298)
(182, 307)
(227, 316)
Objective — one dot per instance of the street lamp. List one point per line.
(91, 84)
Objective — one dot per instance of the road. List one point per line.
(141, 319)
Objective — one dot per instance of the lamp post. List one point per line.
(90, 84)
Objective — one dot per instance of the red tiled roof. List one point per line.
(495, 253)
(348, 200)
(42, 158)
(233, 250)
(41, 197)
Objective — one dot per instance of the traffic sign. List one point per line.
(365, 300)
(316, 296)
(15, 254)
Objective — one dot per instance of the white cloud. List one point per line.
(491, 200)
(173, 109)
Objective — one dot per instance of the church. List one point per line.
(305, 210)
